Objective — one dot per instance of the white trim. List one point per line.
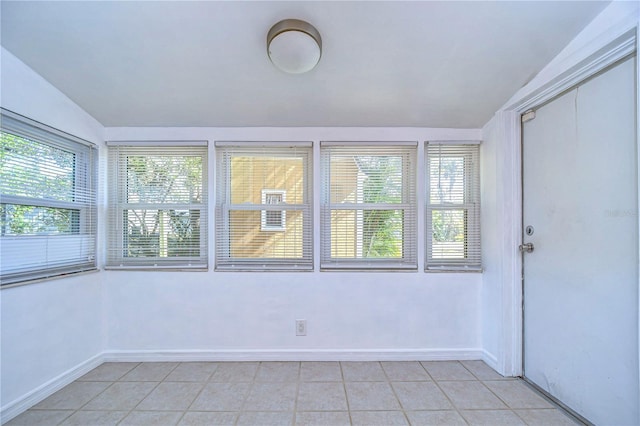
(368, 143)
(268, 134)
(613, 22)
(445, 142)
(490, 359)
(295, 355)
(31, 398)
(267, 144)
(177, 143)
(638, 162)
(613, 52)
(511, 348)
(20, 121)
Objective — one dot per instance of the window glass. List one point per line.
(158, 206)
(453, 206)
(48, 208)
(368, 206)
(264, 207)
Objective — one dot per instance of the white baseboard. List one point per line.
(295, 355)
(16, 407)
(19, 405)
(491, 360)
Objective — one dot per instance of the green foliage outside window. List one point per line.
(382, 230)
(32, 220)
(448, 226)
(52, 177)
(163, 180)
(447, 180)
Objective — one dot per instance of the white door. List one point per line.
(580, 198)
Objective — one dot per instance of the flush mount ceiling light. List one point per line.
(294, 46)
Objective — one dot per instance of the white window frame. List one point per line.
(409, 260)
(471, 260)
(119, 151)
(224, 261)
(264, 219)
(26, 258)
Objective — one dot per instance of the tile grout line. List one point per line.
(199, 393)
(554, 407)
(395, 394)
(66, 418)
(112, 382)
(455, 407)
(75, 410)
(253, 381)
(96, 396)
(426, 371)
(149, 393)
(509, 408)
(246, 397)
(480, 381)
(295, 401)
(346, 394)
(517, 380)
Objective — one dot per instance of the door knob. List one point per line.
(526, 248)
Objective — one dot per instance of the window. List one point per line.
(453, 206)
(273, 220)
(157, 205)
(47, 201)
(368, 210)
(263, 210)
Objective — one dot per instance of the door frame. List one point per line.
(619, 46)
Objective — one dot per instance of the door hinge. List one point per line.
(528, 116)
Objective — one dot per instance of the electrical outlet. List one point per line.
(301, 327)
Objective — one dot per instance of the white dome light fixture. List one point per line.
(294, 46)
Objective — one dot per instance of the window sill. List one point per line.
(157, 268)
(49, 278)
(454, 270)
(275, 268)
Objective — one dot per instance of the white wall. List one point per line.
(491, 237)
(53, 328)
(223, 315)
(27, 93)
(205, 315)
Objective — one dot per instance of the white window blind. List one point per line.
(157, 205)
(368, 206)
(263, 209)
(47, 201)
(453, 206)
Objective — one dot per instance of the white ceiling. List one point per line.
(204, 63)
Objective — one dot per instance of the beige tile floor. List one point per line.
(300, 393)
